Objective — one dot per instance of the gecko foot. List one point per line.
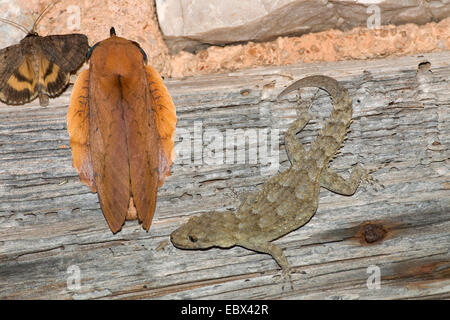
(368, 179)
(285, 277)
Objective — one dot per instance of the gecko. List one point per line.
(288, 200)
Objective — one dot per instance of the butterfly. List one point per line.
(39, 66)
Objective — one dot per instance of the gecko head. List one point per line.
(202, 232)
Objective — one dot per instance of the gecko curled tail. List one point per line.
(333, 134)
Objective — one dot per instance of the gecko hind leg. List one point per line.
(335, 183)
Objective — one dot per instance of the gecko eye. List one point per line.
(192, 238)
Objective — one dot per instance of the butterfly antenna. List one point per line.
(14, 24)
(42, 15)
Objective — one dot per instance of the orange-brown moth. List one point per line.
(121, 122)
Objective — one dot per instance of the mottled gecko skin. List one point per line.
(289, 199)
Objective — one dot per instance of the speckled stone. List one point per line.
(190, 24)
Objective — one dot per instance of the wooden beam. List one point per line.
(51, 225)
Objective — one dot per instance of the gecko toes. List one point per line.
(284, 277)
(368, 179)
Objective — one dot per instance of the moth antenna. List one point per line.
(15, 24)
(33, 29)
(112, 32)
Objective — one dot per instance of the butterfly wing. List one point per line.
(17, 78)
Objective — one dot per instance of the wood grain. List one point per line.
(50, 221)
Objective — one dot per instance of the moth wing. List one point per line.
(165, 119)
(17, 78)
(68, 51)
(109, 149)
(61, 55)
(11, 58)
(145, 150)
(78, 129)
(52, 79)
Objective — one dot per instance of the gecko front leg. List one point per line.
(276, 253)
(334, 182)
(269, 248)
